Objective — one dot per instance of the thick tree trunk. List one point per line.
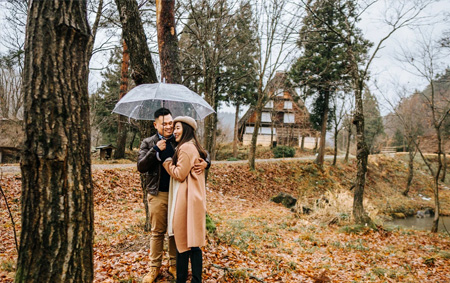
(236, 131)
(57, 199)
(323, 131)
(143, 70)
(349, 137)
(302, 146)
(134, 35)
(362, 154)
(167, 41)
(122, 120)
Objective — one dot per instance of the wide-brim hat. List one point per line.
(186, 119)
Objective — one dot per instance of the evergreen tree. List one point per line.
(373, 126)
(106, 97)
(323, 68)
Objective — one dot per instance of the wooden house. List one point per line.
(284, 119)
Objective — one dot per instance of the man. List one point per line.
(154, 149)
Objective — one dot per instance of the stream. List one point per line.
(422, 223)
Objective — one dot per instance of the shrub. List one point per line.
(283, 151)
(210, 224)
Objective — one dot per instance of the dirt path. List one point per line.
(15, 169)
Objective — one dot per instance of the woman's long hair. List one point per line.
(188, 134)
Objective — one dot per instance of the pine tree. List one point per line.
(373, 126)
(323, 68)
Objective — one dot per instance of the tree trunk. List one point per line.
(167, 41)
(142, 66)
(347, 151)
(134, 36)
(435, 226)
(57, 190)
(236, 131)
(302, 146)
(323, 131)
(132, 140)
(412, 155)
(252, 153)
(122, 120)
(444, 167)
(362, 154)
(335, 145)
(90, 45)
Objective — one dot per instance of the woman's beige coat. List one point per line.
(189, 223)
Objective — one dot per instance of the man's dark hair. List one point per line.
(162, 112)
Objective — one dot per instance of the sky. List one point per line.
(385, 68)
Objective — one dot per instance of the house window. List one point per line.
(269, 104)
(288, 105)
(289, 118)
(249, 130)
(280, 92)
(262, 130)
(265, 117)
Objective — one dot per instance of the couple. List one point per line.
(174, 163)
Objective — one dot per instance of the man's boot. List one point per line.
(173, 271)
(151, 276)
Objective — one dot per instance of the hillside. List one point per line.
(259, 241)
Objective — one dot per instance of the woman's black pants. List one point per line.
(195, 254)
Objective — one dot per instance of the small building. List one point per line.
(106, 151)
(11, 140)
(284, 119)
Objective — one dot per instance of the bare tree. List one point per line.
(277, 24)
(397, 16)
(339, 108)
(56, 242)
(425, 63)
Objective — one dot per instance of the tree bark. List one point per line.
(347, 151)
(122, 120)
(236, 131)
(336, 132)
(57, 198)
(134, 36)
(168, 41)
(444, 167)
(258, 111)
(143, 70)
(362, 154)
(323, 131)
(412, 155)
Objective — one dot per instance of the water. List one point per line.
(422, 223)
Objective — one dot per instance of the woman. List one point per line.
(187, 199)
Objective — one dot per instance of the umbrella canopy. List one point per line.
(141, 102)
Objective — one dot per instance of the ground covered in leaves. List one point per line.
(259, 241)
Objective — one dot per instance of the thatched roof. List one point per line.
(11, 133)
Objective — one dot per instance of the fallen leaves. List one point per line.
(255, 240)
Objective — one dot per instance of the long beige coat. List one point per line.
(189, 223)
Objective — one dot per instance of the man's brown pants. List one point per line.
(158, 220)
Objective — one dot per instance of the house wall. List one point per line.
(263, 140)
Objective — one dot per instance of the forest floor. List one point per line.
(257, 240)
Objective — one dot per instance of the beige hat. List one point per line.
(186, 119)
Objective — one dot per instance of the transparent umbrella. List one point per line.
(141, 102)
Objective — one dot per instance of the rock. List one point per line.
(285, 199)
(398, 215)
(420, 214)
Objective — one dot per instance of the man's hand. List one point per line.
(199, 166)
(161, 144)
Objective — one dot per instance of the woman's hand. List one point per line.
(199, 166)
